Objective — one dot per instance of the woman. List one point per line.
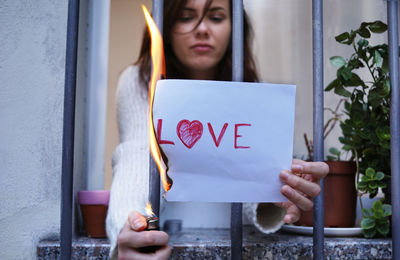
(197, 39)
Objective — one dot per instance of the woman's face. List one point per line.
(201, 46)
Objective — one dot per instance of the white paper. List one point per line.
(261, 113)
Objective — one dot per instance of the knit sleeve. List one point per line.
(130, 161)
(266, 217)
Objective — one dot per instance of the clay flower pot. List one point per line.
(94, 205)
(339, 196)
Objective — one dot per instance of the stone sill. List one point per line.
(215, 244)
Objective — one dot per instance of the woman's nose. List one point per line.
(202, 29)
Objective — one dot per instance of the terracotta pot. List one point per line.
(94, 206)
(339, 196)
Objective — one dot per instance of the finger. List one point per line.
(292, 214)
(136, 221)
(299, 200)
(135, 239)
(317, 169)
(163, 253)
(309, 188)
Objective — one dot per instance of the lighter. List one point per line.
(152, 225)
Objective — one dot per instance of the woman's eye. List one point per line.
(216, 19)
(185, 18)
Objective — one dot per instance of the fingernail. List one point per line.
(285, 175)
(297, 167)
(137, 224)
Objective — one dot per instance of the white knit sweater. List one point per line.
(130, 163)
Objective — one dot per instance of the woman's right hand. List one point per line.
(133, 237)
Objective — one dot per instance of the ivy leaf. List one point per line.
(367, 223)
(378, 27)
(337, 61)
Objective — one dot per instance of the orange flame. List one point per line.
(149, 210)
(158, 62)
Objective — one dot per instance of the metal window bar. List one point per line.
(154, 175)
(237, 56)
(237, 75)
(68, 130)
(318, 122)
(393, 39)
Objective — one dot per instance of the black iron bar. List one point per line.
(68, 130)
(318, 121)
(154, 175)
(237, 75)
(392, 13)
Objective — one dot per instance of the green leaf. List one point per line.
(332, 85)
(373, 185)
(383, 132)
(379, 176)
(362, 185)
(334, 151)
(331, 158)
(363, 32)
(342, 92)
(366, 213)
(383, 228)
(365, 178)
(342, 37)
(367, 223)
(377, 58)
(377, 205)
(369, 233)
(370, 172)
(378, 27)
(355, 80)
(345, 73)
(378, 214)
(387, 210)
(337, 61)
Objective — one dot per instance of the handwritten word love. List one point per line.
(189, 132)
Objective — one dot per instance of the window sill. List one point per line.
(215, 243)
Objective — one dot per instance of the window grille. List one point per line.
(237, 56)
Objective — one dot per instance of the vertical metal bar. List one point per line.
(237, 75)
(68, 130)
(392, 9)
(318, 83)
(154, 175)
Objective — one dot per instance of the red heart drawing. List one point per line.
(189, 132)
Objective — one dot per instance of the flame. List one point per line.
(158, 62)
(149, 210)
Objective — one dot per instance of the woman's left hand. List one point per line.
(301, 185)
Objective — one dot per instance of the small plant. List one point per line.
(366, 131)
(375, 221)
(334, 154)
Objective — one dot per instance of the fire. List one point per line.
(149, 210)
(158, 62)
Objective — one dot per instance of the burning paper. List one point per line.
(225, 141)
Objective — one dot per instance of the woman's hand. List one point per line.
(301, 186)
(133, 237)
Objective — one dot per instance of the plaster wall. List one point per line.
(32, 56)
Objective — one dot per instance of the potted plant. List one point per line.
(94, 206)
(366, 129)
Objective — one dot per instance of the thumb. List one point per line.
(136, 221)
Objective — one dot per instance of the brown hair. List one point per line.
(174, 69)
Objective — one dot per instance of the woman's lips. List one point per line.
(202, 47)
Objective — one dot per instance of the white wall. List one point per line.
(32, 56)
